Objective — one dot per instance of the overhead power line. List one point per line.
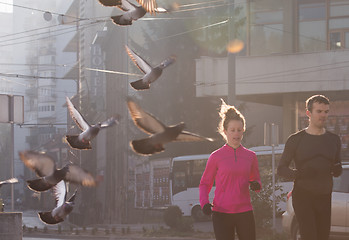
(39, 10)
(50, 36)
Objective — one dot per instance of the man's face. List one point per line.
(319, 114)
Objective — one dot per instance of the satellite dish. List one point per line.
(48, 16)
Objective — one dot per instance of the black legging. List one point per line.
(313, 213)
(225, 224)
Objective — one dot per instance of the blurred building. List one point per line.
(293, 49)
(98, 47)
(36, 41)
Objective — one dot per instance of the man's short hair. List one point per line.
(316, 98)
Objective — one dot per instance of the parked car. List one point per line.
(340, 210)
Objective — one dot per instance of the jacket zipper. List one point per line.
(235, 154)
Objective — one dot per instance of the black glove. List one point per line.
(255, 186)
(336, 169)
(207, 209)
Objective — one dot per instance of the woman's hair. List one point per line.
(228, 113)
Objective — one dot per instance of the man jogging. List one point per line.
(316, 154)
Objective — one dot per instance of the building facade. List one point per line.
(293, 49)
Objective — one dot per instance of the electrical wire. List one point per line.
(256, 79)
(38, 10)
(181, 6)
(50, 36)
(180, 34)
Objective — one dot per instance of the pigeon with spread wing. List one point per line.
(148, 5)
(63, 207)
(83, 140)
(160, 134)
(132, 13)
(151, 74)
(45, 168)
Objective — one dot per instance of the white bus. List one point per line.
(186, 172)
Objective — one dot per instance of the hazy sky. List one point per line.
(4, 7)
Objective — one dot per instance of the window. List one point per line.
(312, 25)
(309, 10)
(312, 36)
(339, 8)
(339, 39)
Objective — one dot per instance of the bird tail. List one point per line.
(144, 147)
(39, 185)
(140, 85)
(74, 142)
(47, 218)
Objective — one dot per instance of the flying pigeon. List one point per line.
(151, 74)
(63, 207)
(132, 13)
(148, 5)
(160, 134)
(45, 167)
(82, 141)
(11, 180)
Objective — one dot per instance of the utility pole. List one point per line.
(231, 58)
(271, 138)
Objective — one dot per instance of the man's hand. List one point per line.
(207, 209)
(336, 169)
(255, 186)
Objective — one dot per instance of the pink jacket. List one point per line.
(231, 169)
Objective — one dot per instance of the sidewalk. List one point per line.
(30, 219)
(34, 228)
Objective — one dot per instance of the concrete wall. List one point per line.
(275, 74)
(321, 71)
(11, 226)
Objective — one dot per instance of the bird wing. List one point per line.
(41, 163)
(186, 136)
(11, 180)
(60, 193)
(143, 120)
(148, 5)
(110, 3)
(127, 6)
(80, 176)
(47, 218)
(140, 62)
(146, 146)
(110, 122)
(76, 116)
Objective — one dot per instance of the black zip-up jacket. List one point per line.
(316, 158)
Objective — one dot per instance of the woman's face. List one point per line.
(234, 133)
